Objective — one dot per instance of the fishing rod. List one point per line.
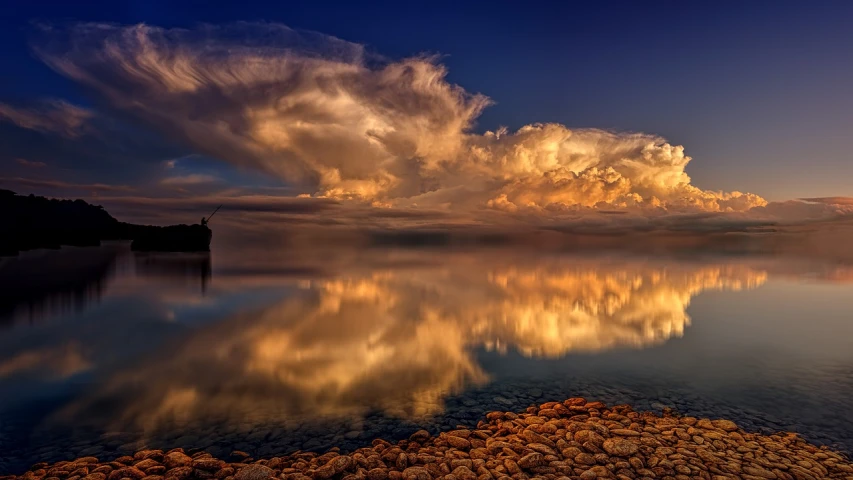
(211, 215)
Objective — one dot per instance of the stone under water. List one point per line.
(573, 439)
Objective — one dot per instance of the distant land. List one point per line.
(29, 222)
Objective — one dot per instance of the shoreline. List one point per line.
(570, 439)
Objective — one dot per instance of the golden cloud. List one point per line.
(322, 112)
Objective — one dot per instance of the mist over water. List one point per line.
(316, 347)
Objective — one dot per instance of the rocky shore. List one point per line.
(556, 440)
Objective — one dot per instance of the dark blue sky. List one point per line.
(760, 93)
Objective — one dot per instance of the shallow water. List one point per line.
(104, 351)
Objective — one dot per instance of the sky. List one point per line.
(543, 110)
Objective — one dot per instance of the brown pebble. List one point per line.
(620, 447)
(457, 442)
(129, 472)
(178, 473)
(176, 459)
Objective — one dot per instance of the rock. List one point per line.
(534, 437)
(726, 425)
(624, 432)
(225, 472)
(416, 473)
(157, 455)
(531, 460)
(705, 424)
(129, 472)
(595, 472)
(377, 474)
(543, 449)
(457, 442)
(759, 472)
(176, 459)
(420, 436)
(620, 447)
(209, 464)
(254, 472)
(144, 465)
(464, 473)
(178, 473)
(332, 467)
(590, 436)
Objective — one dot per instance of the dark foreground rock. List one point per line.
(572, 439)
(32, 222)
(174, 238)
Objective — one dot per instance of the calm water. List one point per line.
(103, 351)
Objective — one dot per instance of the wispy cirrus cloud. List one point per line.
(191, 179)
(28, 163)
(830, 200)
(13, 182)
(53, 116)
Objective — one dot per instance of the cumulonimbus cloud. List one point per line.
(323, 113)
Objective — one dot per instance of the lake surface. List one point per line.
(104, 351)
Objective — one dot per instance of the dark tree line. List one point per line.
(29, 222)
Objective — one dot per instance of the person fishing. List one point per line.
(205, 220)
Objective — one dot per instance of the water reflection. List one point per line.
(51, 283)
(192, 268)
(323, 343)
(56, 363)
(401, 340)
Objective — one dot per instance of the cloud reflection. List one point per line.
(401, 340)
(62, 362)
